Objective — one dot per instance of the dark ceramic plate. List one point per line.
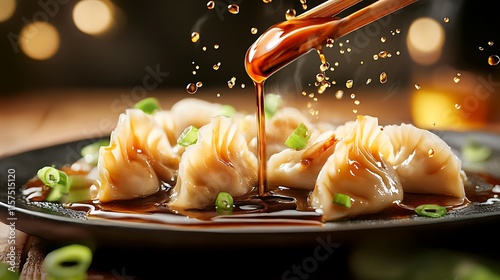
(58, 224)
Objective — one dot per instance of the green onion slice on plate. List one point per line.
(224, 203)
(430, 210)
(55, 179)
(68, 262)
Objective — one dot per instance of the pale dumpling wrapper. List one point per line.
(299, 169)
(279, 127)
(219, 161)
(357, 169)
(424, 162)
(138, 157)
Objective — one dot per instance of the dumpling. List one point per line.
(166, 120)
(299, 168)
(219, 161)
(193, 111)
(358, 169)
(279, 127)
(424, 162)
(138, 157)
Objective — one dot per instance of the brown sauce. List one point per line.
(289, 206)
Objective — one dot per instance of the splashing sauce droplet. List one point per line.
(493, 60)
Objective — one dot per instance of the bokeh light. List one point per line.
(7, 9)
(39, 40)
(93, 17)
(425, 40)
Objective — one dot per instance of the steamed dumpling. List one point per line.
(424, 162)
(193, 111)
(166, 120)
(299, 168)
(279, 127)
(219, 161)
(138, 157)
(357, 169)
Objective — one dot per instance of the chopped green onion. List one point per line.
(91, 152)
(55, 179)
(224, 203)
(430, 210)
(298, 138)
(148, 105)
(227, 110)
(56, 194)
(68, 262)
(473, 151)
(77, 195)
(188, 137)
(272, 103)
(51, 176)
(342, 200)
(7, 272)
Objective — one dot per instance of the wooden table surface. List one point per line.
(33, 120)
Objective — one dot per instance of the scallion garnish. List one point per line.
(298, 138)
(68, 262)
(148, 105)
(55, 179)
(188, 137)
(474, 151)
(227, 110)
(272, 102)
(91, 152)
(342, 200)
(430, 210)
(224, 203)
(7, 273)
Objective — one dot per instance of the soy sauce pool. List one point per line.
(281, 206)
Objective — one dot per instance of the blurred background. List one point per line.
(110, 43)
(62, 58)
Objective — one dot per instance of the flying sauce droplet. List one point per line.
(383, 78)
(191, 88)
(253, 30)
(210, 5)
(290, 14)
(446, 19)
(195, 36)
(417, 86)
(493, 60)
(233, 9)
(349, 83)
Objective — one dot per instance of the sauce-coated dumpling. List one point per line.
(299, 169)
(138, 157)
(358, 169)
(219, 161)
(424, 162)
